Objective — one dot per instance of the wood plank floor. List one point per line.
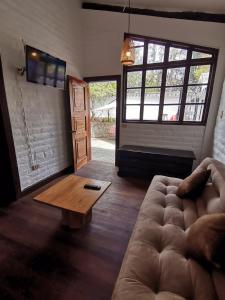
(41, 260)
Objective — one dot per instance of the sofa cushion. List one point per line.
(206, 237)
(193, 185)
(218, 179)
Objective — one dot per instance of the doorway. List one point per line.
(105, 117)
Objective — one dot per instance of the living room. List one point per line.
(41, 258)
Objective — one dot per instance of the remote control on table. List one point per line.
(90, 186)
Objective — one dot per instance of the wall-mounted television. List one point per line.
(42, 68)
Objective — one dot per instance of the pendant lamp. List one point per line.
(128, 51)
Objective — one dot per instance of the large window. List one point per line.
(170, 82)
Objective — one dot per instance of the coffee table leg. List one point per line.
(75, 220)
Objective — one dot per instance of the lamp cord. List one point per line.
(129, 17)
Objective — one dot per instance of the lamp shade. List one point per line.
(127, 53)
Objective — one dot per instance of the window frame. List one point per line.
(166, 64)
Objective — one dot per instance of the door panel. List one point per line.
(79, 98)
(81, 152)
(80, 121)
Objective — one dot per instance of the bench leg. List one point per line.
(75, 220)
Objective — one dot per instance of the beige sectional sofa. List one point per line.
(156, 265)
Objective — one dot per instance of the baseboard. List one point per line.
(39, 184)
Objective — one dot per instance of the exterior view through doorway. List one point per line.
(105, 114)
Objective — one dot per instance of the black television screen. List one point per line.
(45, 69)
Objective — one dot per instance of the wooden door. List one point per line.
(80, 121)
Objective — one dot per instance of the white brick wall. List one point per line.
(219, 134)
(55, 27)
(165, 136)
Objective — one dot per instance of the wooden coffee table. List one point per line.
(75, 201)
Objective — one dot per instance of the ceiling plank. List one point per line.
(185, 15)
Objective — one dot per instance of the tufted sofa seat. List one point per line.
(156, 266)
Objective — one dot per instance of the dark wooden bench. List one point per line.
(140, 161)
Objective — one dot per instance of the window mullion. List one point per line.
(143, 80)
(124, 94)
(184, 93)
(163, 85)
(142, 94)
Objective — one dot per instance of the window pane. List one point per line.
(153, 78)
(175, 76)
(134, 96)
(152, 96)
(196, 55)
(173, 95)
(193, 113)
(171, 112)
(177, 54)
(139, 54)
(196, 94)
(138, 43)
(134, 79)
(132, 112)
(151, 113)
(155, 53)
(199, 74)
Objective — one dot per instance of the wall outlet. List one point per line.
(35, 167)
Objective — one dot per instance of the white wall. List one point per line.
(103, 32)
(219, 135)
(53, 26)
